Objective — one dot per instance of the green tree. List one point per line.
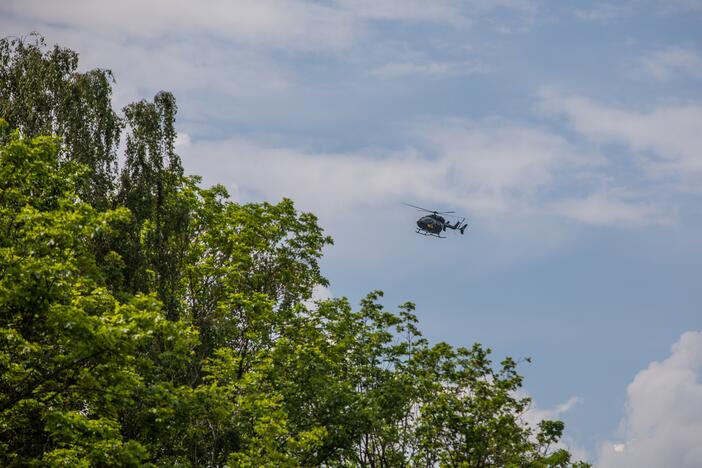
(384, 397)
(242, 256)
(73, 358)
(156, 240)
(258, 378)
(42, 93)
(147, 320)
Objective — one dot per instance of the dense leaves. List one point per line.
(145, 320)
(42, 93)
(73, 359)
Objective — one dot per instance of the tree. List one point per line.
(145, 319)
(42, 93)
(73, 358)
(156, 240)
(384, 397)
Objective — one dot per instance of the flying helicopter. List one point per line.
(434, 224)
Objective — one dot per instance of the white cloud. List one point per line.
(450, 12)
(319, 293)
(182, 140)
(665, 64)
(276, 23)
(662, 425)
(500, 159)
(394, 59)
(323, 182)
(614, 207)
(438, 11)
(239, 61)
(488, 169)
(185, 66)
(677, 5)
(667, 139)
(429, 68)
(600, 12)
(535, 415)
(288, 24)
(298, 25)
(245, 52)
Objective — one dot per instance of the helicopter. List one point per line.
(434, 224)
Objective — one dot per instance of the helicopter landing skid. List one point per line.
(429, 234)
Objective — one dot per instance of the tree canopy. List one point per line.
(148, 321)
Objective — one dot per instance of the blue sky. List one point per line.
(568, 132)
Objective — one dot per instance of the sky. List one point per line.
(568, 133)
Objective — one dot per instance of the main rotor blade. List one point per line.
(428, 211)
(419, 208)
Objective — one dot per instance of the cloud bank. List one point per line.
(488, 168)
(665, 140)
(662, 425)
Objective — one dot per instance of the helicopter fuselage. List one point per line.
(433, 223)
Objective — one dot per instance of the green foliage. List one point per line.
(155, 240)
(73, 358)
(41, 93)
(150, 321)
